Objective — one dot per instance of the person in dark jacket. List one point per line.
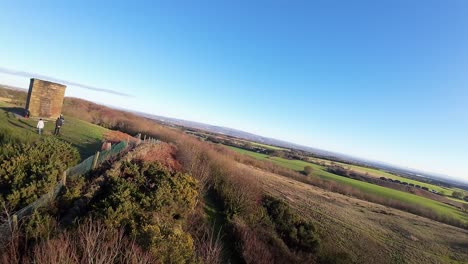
(58, 125)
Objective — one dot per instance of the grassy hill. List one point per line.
(86, 137)
(319, 171)
(368, 231)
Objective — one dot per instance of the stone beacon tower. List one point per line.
(45, 99)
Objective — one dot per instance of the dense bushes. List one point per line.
(151, 203)
(296, 233)
(28, 171)
(135, 208)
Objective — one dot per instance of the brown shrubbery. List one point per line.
(148, 203)
(162, 153)
(115, 136)
(90, 242)
(214, 167)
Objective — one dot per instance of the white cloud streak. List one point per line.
(65, 82)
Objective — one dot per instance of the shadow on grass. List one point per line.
(15, 124)
(87, 149)
(14, 110)
(217, 218)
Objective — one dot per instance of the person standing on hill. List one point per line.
(58, 125)
(40, 126)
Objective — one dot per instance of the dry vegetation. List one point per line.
(215, 167)
(368, 231)
(325, 227)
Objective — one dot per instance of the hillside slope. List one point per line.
(369, 231)
(86, 137)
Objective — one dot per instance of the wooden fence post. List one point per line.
(15, 222)
(64, 178)
(144, 138)
(95, 160)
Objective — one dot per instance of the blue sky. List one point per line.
(384, 80)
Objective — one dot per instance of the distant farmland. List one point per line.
(379, 173)
(320, 171)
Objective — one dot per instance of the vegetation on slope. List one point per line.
(145, 201)
(28, 171)
(398, 199)
(84, 136)
(258, 233)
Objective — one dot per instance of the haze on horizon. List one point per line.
(384, 81)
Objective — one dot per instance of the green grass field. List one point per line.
(379, 173)
(319, 171)
(84, 136)
(264, 145)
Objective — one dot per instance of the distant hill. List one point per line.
(235, 133)
(412, 173)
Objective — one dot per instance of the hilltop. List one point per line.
(172, 198)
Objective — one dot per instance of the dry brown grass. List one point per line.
(253, 249)
(207, 163)
(365, 230)
(116, 136)
(93, 242)
(163, 153)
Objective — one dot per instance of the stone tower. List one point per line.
(45, 99)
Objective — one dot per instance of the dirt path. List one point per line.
(370, 233)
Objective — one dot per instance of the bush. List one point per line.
(308, 170)
(457, 194)
(40, 226)
(151, 203)
(28, 171)
(296, 233)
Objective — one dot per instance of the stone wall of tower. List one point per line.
(45, 99)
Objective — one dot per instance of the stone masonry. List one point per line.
(45, 99)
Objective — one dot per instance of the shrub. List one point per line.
(457, 194)
(28, 171)
(151, 203)
(296, 233)
(40, 226)
(308, 170)
(90, 242)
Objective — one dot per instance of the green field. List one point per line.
(319, 171)
(264, 145)
(84, 136)
(379, 173)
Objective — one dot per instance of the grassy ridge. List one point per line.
(319, 171)
(84, 136)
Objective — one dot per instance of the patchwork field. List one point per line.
(368, 231)
(379, 173)
(319, 171)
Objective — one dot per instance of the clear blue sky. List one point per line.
(385, 80)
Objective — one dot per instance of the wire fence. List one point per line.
(81, 169)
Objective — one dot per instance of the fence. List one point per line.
(84, 167)
(80, 169)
